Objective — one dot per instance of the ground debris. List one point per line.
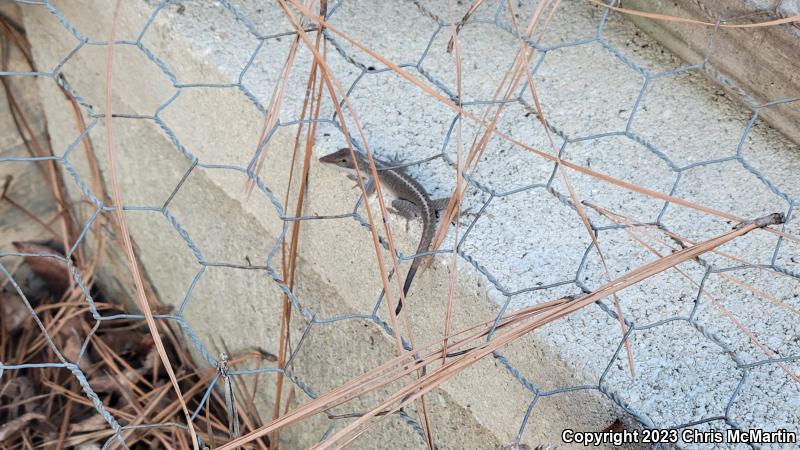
(14, 312)
(49, 264)
(48, 407)
(9, 429)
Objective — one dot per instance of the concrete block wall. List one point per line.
(191, 81)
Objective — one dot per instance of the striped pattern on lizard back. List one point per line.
(404, 188)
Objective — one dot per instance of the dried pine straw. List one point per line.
(46, 407)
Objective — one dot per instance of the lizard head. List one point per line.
(341, 158)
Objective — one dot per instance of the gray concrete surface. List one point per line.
(27, 189)
(759, 62)
(523, 243)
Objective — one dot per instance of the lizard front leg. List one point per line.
(369, 185)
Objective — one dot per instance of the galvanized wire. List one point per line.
(271, 268)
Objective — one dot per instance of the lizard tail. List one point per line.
(425, 242)
(406, 286)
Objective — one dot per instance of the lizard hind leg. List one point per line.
(440, 204)
(405, 209)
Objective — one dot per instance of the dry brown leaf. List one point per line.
(616, 427)
(14, 312)
(91, 446)
(110, 382)
(20, 389)
(68, 338)
(71, 348)
(50, 267)
(150, 360)
(9, 429)
(127, 342)
(94, 423)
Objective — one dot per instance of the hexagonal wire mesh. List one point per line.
(636, 124)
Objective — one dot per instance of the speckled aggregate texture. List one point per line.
(715, 341)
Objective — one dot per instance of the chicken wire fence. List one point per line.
(675, 171)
